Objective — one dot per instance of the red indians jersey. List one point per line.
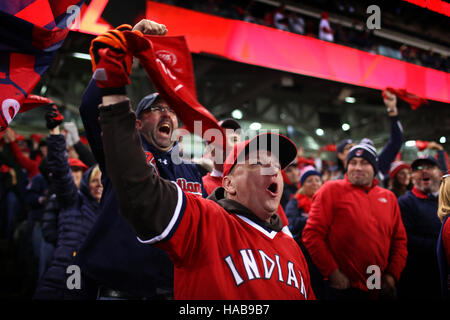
(220, 255)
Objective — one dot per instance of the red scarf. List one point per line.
(419, 194)
(303, 202)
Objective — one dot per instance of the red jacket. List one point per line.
(211, 182)
(446, 240)
(352, 228)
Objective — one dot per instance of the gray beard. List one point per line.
(428, 190)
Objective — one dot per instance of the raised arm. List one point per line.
(145, 200)
(393, 146)
(31, 166)
(92, 96)
(440, 155)
(58, 162)
(89, 115)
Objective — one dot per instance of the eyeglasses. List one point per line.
(424, 166)
(266, 165)
(161, 109)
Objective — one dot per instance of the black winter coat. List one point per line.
(78, 212)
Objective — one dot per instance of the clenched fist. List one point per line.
(150, 27)
(390, 101)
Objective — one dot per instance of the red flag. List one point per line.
(413, 100)
(168, 63)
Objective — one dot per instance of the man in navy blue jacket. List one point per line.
(121, 266)
(420, 278)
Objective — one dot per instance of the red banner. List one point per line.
(438, 6)
(276, 49)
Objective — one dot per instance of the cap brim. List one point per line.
(146, 103)
(417, 162)
(280, 146)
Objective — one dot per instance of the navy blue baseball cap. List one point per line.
(426, 159)
(146, 103)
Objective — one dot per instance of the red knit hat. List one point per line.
(396, 167)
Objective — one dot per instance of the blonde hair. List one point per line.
(95, 171)
(444, 199)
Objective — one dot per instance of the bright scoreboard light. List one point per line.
(271, 48)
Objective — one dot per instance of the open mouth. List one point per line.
(273, 188)
(165, 129)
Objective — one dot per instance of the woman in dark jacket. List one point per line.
(298, 207)
(79, 208)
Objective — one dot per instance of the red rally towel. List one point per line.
(413, 100)
(168, 63)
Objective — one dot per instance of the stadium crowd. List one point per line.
(368, 226)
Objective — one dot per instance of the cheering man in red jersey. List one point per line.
(230, 246)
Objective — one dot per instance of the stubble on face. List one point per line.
(360, 172)
(427, 181)
(158, 128)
